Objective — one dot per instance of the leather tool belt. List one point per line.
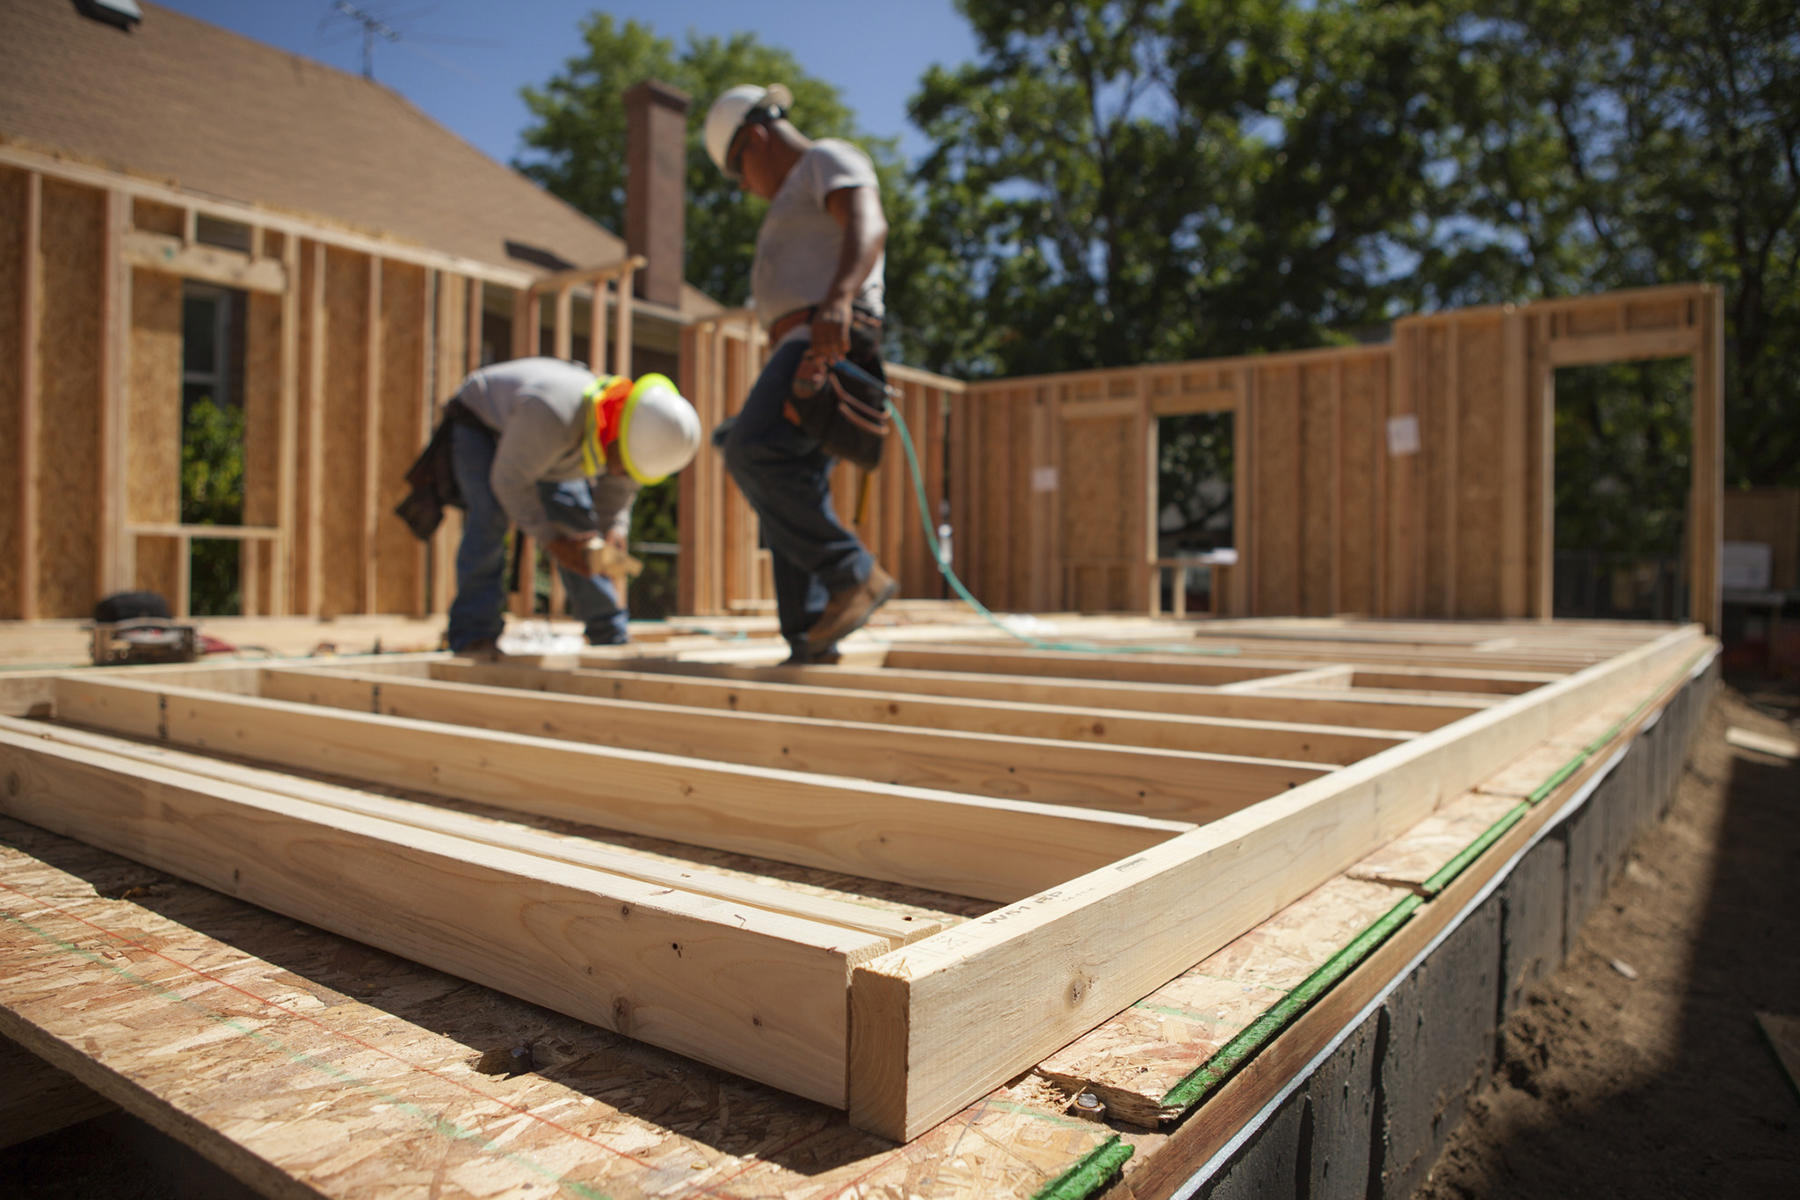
(432, 477)
(844, 405)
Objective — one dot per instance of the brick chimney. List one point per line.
(655, 188)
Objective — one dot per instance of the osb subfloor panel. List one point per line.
(308, 1064)
(304, 1062)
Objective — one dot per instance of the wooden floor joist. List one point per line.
(1502, 654)
(1377, 715)
(1016, 779)
(1288, 741)
(942, 841)
(1201, 669)
(1178, 785)
(896, 927)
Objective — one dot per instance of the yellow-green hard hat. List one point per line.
(659, 431)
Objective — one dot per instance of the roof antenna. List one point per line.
(373, 27)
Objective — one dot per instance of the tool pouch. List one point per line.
(432, 477)
(845, 405)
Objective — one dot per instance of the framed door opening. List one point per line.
(1623, 465)
(1195, 509)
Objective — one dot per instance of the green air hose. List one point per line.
(912, 461)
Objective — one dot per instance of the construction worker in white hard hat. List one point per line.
(550, 447)
(817, 286)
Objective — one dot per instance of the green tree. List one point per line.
(1605, 146)
(1194, 483)
(212, 493)
(1143, 180)
(1623, 457)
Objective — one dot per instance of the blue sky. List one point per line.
(463, 61)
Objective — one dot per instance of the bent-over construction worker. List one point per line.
(560, 452)
(817, 287)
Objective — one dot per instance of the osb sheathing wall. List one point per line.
(71, 354)
(1313, 541)
(1458, 547)
(262, 437)
(365, 404)
(345, 353)
(1054, 477)
(153, 374)
(153, 452)
(53, 274)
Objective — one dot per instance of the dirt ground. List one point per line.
(1638, 1068)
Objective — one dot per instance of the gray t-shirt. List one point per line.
(535, 405)
(797, 246)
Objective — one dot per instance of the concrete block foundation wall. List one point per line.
(1371, 1118)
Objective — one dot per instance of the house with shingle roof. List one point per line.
(296, 243)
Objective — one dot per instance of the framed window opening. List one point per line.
(212, 441)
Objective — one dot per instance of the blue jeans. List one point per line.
(786, 478)
(478, 612)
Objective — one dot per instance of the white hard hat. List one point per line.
(730, 110)
(659, 431)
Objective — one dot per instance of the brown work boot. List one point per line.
(827, 657)
(850, 608)
(485, 651)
